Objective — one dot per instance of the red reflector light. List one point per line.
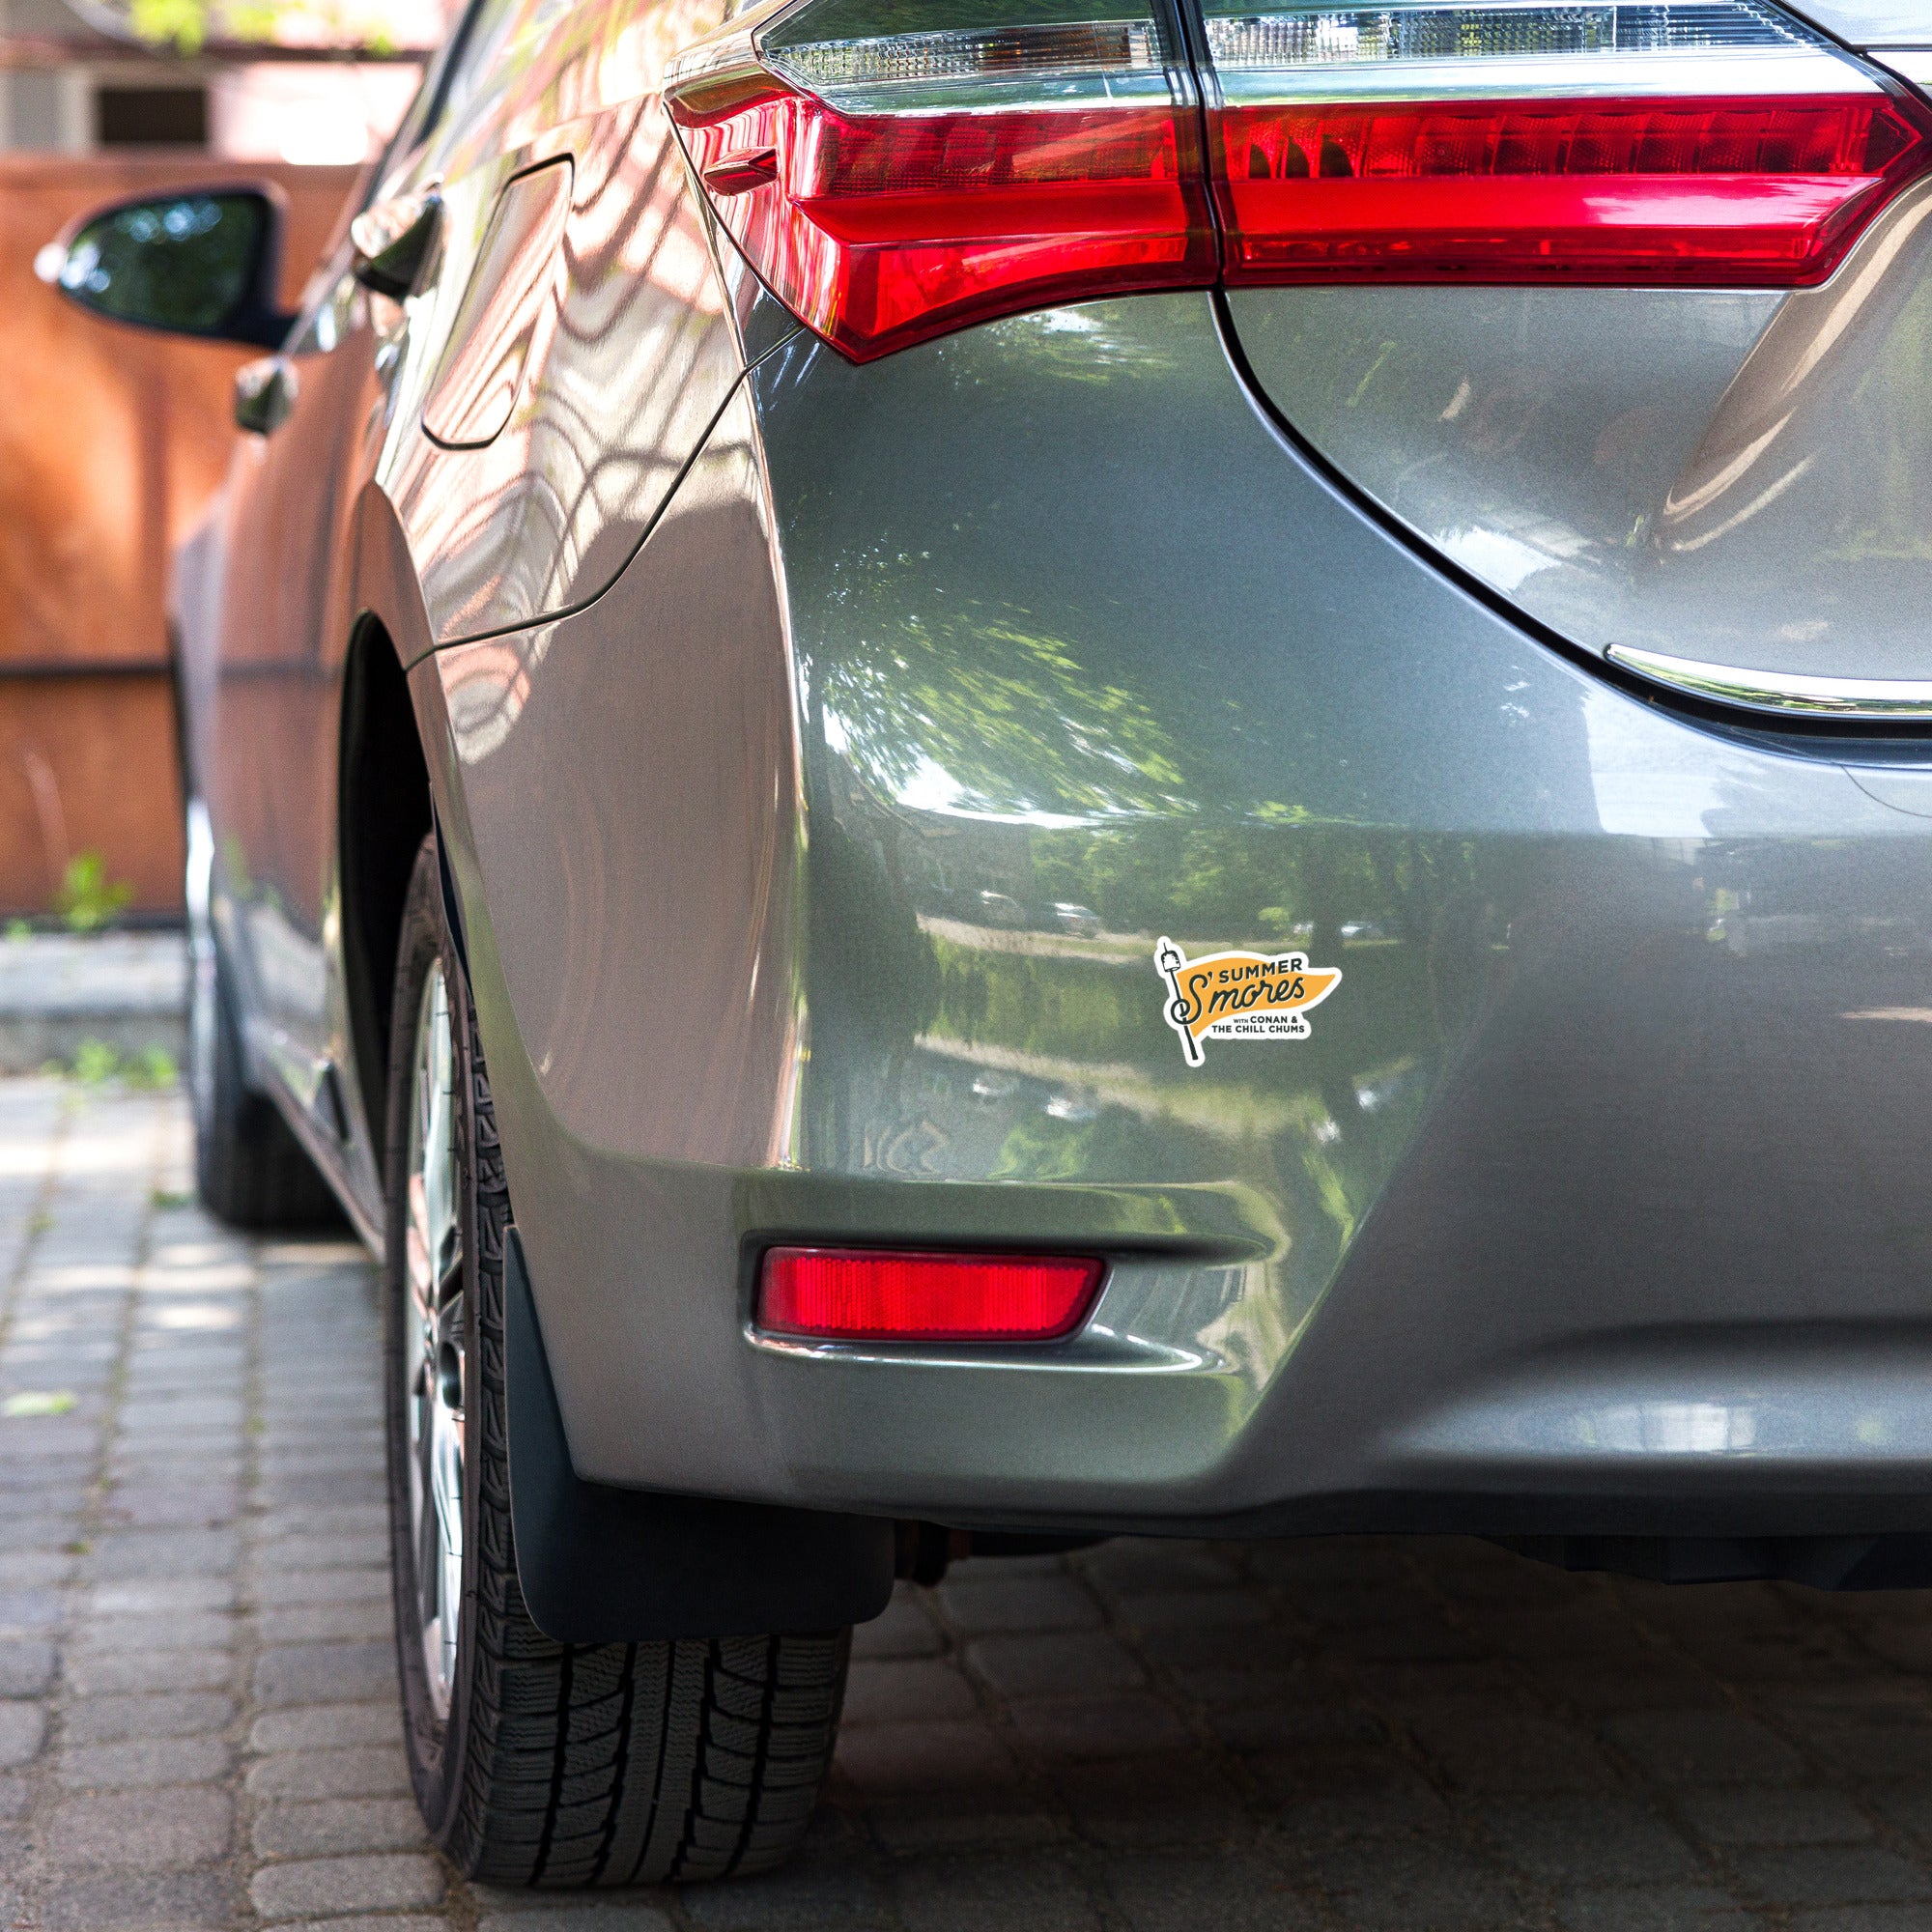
(880, 229)
(1721, 192)
(857, 1295)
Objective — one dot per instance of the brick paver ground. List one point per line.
(198, 1728)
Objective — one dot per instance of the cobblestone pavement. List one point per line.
(198, 1729)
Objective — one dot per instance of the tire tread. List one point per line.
(611, 1764)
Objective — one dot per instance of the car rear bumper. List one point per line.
(1594, 1203)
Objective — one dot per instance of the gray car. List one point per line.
(1177, 766)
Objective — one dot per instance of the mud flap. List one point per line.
(604, 1565)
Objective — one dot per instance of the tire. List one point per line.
(537, 1763)
(249, 1169)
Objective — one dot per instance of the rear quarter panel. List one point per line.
(724, 839)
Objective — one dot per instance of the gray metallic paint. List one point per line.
(1591, 1202)
(261, 655)
(635, 351)
(643, 348)
(1869, 23)
(1728, 478)
(512, 302)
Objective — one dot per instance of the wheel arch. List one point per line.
(383, 786)
(384, 804)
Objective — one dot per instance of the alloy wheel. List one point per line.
(433, 1358)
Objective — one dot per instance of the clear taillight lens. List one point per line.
(1717, 143)
(891, 187)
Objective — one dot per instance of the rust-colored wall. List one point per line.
(110, 442)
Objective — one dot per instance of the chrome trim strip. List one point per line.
(1912, 65)
(1782, 691)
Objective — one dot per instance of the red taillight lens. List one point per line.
(879, 230)
(892, 173)
(1721, 192)
(857, 1295)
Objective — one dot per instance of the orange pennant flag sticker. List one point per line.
(1239, 996)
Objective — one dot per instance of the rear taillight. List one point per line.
(892, 186)
(1715, 143)
(862, 1294)
(894, 171)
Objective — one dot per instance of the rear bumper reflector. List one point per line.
(859, 1295)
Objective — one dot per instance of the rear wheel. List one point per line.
(540, 1763)
(249, 1169)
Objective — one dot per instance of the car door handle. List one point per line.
(392, 241)
(265, 392)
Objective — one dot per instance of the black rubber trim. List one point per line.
(1834, 737)
(452, 909)
(605, 1565)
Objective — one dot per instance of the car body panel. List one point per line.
(273, 639)
(509, 309)
(637, 351)
(1539, 1158)
(693, 917)
(1870, 23)
(1727, 476)
(332, 520)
